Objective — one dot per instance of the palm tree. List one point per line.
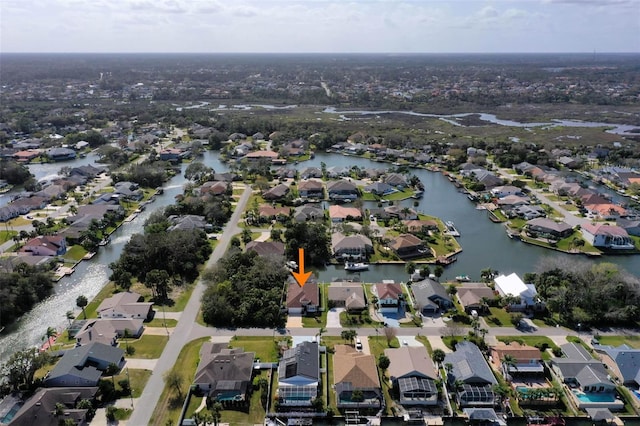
(508, 362)
(70, 317)
(438, 356)
(81, 302)
(216, 413)
(111, 370)
(51, 333)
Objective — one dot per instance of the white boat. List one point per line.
(463, 278)
(351, 266)
(451, 229)
(292, 264)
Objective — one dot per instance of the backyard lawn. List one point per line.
(633, 341)
(537, 341)
(137, 379)
(499, 318)
(265, 348)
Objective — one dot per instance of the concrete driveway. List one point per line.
(333, 317)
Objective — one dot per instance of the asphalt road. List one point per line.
(187, 327)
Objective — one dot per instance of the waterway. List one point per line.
(485, 244)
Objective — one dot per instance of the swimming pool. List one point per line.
(595, 397)
(9, 416)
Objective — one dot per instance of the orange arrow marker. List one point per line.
(301, 276)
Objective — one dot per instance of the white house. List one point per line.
(607, 236)
(503, 191)
(512, 285)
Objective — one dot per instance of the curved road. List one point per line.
(182, 334)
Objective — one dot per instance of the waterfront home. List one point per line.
(407, 246)
(547, 228)
(45, 404)
(469, 367)
(125, 304)
(354, 370)
(529, 212)
(311, 189)
(355, 246)
(527, 360)
(46, 245)
(84, 365)
(278, 192)
(261, 155)
(266, 248)
(338, 171)
(307, 212)
(108, 330)
(379, 188)
(603, 235)
(303, 299)
(505, 190)
(390, 296)
(342, 190)
(420, 226)
(347, 294)
(129, 190)
(510, 202)
(430, 296)
(631, 226)
(61, 154)
(213, 188)
(413, 375)
(623, 360)
(311, 172)
(402, 213)
(475, 297)
(52, 192)
(342, 214)
(172, 154)
(188, 222)
(26, 155)
(605, 211)
(299, 375)
(224, 374)
(396, 180)
(512, 285)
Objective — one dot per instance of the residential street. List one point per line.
(183, 333)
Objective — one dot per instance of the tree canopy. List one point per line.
(21, 290)
(312, 237)
(245, 290)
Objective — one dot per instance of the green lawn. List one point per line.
(265, 348)
(633, 341)
(499, 318)
(137, 378)
(169, 404)
(320, 319)
(75, 253)
(400, 195)
(425, 342)
(147, 347)
(159, 322)
(6, 236)
(90, 309)
(254, 415)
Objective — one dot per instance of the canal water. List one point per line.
(484, 244)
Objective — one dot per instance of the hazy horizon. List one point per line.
(320, 26)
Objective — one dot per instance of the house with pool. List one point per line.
(588, 381)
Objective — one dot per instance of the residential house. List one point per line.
(311, 189)
(188, 222)
(342, 190)
(299, 375)
(347, 294)
(108, 330)
(587, 376)
(129, 190)
(396, 180)
(379, 188)
(261, 155)
(603, 235)
(529, 212)
(26, 155)
(606, 211)
(52, 192)
(402, 213)
(512, 285)
(548, 228)
(356, 246)
(46, 245)
(268, 213)
(311, 172)
(338, 171)
(474, 297)
(407, 246)
(83, 366)
(430, 296)
(303, 299)
(266, 248)
(631, 226)
(172, 154)
(224, 374)
(527, 360)
(355, 370)
(390, 296)
(125, 304)
(469, 367)
(413, 374)
(624, 361)
(41, 408)
(342, 214)
(505, 190)
(278, 192)
(61, 154)
(308, 212)
(420, 226)
(213, 188)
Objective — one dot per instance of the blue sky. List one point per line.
(458, 26)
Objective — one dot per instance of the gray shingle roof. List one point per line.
(302, 360)
(469, 364)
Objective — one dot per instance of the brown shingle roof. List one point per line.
(354, 367)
